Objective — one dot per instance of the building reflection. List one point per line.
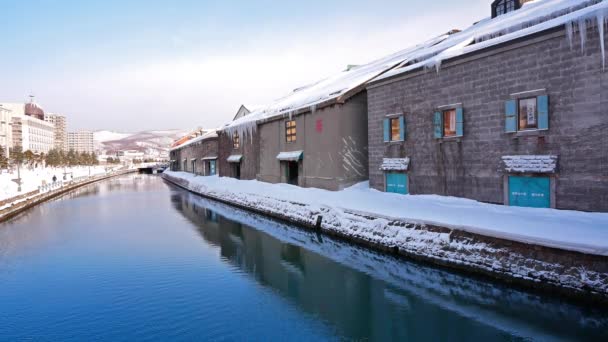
(364, 294)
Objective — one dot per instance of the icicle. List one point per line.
(582, 31)
(600, 27)
(569, 33)
(438, 65)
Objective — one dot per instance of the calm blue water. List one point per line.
(137, 259)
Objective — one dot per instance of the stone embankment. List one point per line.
(579, 276)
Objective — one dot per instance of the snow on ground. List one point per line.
(570, 230)
(33, 178)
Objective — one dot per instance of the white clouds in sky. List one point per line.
(199, 83)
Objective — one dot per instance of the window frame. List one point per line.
(236, 141)
(291, 131)
(443, 117)
(397, 118)
(500, 7)
(519, 114)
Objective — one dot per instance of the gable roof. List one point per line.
(532, 17)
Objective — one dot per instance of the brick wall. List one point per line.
(471, 166)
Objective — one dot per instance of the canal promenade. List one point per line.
(573, 264)
(14, 205)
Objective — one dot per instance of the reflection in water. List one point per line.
(369, 295)
(134, 258)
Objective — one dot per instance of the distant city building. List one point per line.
(6, 130)
(33, 134)
(29, 130)
(129, 155)
(81, 141)
(61, 135)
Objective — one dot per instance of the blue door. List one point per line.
(531, 192)
(212, 167)
(396, 182)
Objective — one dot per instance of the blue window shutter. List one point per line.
(459, 122)
(511, 116)
(438, 123)
(542, 107)
(402, 128)
(387, 129)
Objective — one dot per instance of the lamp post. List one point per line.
(18, 177)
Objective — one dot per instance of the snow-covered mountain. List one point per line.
(149, 142)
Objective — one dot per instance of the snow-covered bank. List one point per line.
(570, 230)
(381, 221)
(33, 178)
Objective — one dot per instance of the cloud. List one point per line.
(201, 83)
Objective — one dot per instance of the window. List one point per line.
(527, 114)
(395, 129)
(236, 142)
(449, 123)
(290, 131)
(505, 6)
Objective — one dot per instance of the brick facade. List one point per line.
(471, 166)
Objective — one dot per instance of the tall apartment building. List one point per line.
(6, 131)
(29, 130)
(81, 141)
(61, 134)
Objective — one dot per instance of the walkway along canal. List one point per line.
(134, 258)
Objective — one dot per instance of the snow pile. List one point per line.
(570, 230)
(395, 164)
(34, 178)
(532, 18)
(530, 163)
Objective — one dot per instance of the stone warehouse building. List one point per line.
(316, 136)
(518, 116)
(238, 155)
(198, 155)
(238, 151)
(325, 148)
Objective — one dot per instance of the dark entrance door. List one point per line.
(237, 170)
(292, 172)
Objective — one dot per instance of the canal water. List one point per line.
(134, 258)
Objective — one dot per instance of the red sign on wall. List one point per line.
(319, 125)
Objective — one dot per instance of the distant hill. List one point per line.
(149, 142)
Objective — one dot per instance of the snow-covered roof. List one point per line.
(530, 163)
(235, 158)
(209, 135)
(290, 156)
(533, 17)
(395, 164)
(337, 87)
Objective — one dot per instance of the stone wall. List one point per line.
(471, 166)
(249, 149)
(198, 151)
(334, 141)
